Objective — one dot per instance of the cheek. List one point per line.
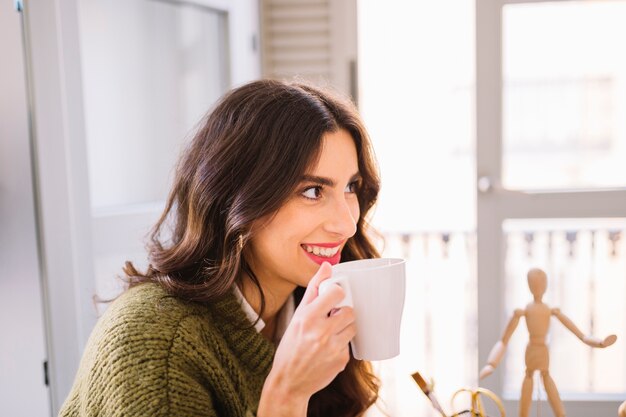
(288, 230)
(356, 211)
(297, 223)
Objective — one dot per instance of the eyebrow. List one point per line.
(327, 181)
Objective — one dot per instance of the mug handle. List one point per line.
(342, 281)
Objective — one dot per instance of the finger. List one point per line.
(326, 302)
(345, 357)
(312, 290)
(341, 319)
(346, 335)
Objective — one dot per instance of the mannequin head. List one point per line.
(537, 282)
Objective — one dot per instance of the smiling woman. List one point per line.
(315, 223)
(227, 319)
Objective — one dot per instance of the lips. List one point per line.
(323, 252)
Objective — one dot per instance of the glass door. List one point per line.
(149, 75)
(119, 87)
(551, 101)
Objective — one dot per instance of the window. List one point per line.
(537, 123)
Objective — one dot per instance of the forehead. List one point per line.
(338, 155)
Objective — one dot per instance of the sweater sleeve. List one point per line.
(154, 355)
(143, 374)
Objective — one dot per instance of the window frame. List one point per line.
(496, 204)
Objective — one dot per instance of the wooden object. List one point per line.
(537, 315)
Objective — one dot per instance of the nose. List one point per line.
(342, 217)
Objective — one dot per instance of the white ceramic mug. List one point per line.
(375, 290)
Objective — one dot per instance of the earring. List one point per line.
(240, 243)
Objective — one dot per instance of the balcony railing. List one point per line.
(586, 266)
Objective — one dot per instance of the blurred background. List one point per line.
(499, 128)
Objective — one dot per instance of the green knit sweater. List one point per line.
(151, 354)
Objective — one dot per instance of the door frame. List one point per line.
(23, 351)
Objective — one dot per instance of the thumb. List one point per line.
(312, 289)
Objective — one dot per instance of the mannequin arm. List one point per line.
(588, 340)
(498, 350)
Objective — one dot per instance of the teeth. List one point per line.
(323, 252)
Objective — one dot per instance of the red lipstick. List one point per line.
(333, 260)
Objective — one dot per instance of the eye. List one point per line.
(352, 188)
(312, 193)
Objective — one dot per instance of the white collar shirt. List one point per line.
(283, 317)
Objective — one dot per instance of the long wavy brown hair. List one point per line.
(244, 163)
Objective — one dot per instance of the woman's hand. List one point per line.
(313, 350)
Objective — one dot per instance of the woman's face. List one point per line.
(313, 225)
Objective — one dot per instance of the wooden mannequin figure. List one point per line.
(622, 410)
(537, 316)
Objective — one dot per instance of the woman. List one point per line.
(273, 189)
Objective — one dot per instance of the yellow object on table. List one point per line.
(477, 408)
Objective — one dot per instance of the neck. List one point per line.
(275, 298)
